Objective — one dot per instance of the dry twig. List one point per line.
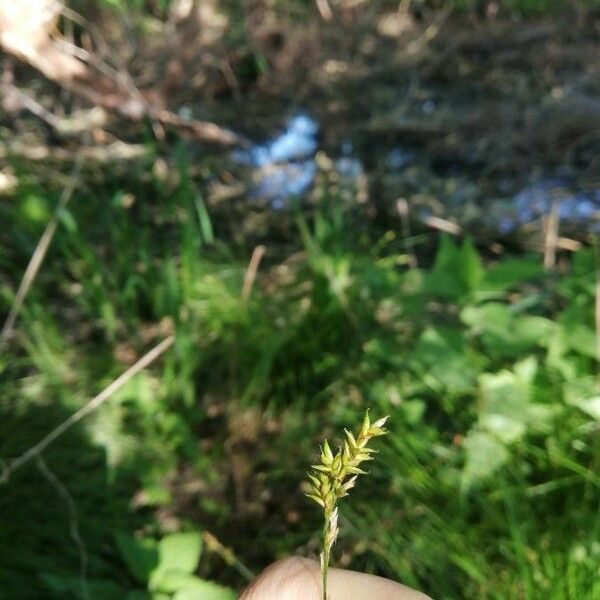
(250, 274)
(324, 9)
(84, 411)
(39, 253)
(551, 223)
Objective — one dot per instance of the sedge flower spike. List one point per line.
(335, 476)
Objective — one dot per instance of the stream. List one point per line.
(284, 166)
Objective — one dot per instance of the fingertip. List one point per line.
(352, 585)
(293, 578)
(298, 578)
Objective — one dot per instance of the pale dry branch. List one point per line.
(551, 224)
(324, 9)
(39, 253)
(443, 225)
(25, 32)
(84, 411)
(568, 244)
(115, 152)
(251, 271)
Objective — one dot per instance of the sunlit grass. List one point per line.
(486, 487)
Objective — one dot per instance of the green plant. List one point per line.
(166, 567)
(335, 476)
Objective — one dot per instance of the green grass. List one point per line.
(486, 487)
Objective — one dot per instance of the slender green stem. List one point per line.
(325, 558)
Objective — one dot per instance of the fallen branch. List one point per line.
(324, 9)
(90, 407)
(250, 274)
(39, 253)
(551, 225)
(443, 225)
(25, 28)
(115, 152)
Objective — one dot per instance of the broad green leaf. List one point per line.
(445, 361)
(444, 279)
(205, 590)
(504, 428)
(584, 394)
(171, 580)
(504, 333)
(508, 410)
(471, 269)
(447, 257)
(591, 406)
(456, 271)
(485, 455)
(140, 555)
(180, 551)
(509, 273)
(526, 369)
(577, 327)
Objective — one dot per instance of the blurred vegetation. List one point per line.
(189, 479)
(487, 486)
(159, 7)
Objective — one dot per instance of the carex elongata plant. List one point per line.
(335, 476)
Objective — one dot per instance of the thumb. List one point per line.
(300, 579)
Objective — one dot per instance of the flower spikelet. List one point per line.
(336, 474)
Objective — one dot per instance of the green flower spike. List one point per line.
(335, 476)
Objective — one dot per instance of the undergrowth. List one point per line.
(487, 485)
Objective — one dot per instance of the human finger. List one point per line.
(300, 579)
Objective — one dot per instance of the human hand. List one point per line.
(300, 579)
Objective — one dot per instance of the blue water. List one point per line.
(284, 166)
(577, 207)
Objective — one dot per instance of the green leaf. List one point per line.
(171, 580)
(504, 333)
(591, 406)
(509, 273)
(485, 455)
(444, 360)
(445, 280)
(471, 269)
(180, 551)
(140, 555)
(447, 257)
(576, 327)
(507, 408)
(205, 590)
(583, 393)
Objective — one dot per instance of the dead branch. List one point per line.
(39, 253)
(25, 33)
(84, 411)
(110, 153)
